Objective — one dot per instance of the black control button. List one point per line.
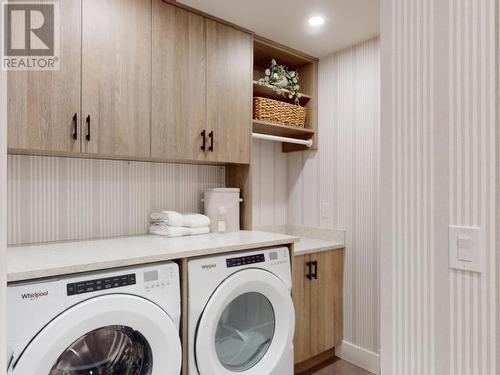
(100, 284)
(241, 261)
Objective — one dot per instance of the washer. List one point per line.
(241, 318)
(122, 321)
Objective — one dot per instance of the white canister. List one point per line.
(225, 200)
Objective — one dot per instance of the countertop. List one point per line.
(313, 245)
(28, 262)
(312, 240)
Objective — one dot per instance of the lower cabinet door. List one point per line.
(301, 301)
(317, 296)
(326, 301)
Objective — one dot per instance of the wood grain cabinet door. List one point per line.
(302, 303)
(178, 101)
(326, 301)
(116, 83)
(229, 93)
(42, 104)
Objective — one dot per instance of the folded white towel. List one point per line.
(159, 216)
(175, 219)
(163, 229)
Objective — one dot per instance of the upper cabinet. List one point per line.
(229, 92)
(116, 77)
(202, 91)
(179, 91)
(139, 79)
(44, 107)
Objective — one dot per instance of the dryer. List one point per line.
(241, 317)
(123, 321)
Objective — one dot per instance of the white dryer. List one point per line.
(123, 321)
(241, 316)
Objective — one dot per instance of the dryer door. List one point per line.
(111, 334)
(247, 326)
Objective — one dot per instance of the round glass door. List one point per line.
(106, 351)
(245, 331)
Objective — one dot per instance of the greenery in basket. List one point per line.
(282, 81)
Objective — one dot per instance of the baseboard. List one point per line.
(358, 356)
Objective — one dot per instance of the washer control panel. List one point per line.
(245, 260)
(157, 278)
(278, 257)
(89, 286)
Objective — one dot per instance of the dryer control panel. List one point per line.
(89, 286)
(245, 260)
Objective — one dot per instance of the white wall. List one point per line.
(342, 180)
(343, 176)
(53, 198)
(270, 194)
(439, 168)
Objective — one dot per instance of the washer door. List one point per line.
(247, 326)
(112, 334)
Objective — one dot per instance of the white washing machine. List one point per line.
(123, 321)
(241, 316)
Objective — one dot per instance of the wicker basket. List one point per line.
(270, 110)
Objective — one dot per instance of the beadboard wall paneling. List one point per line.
(270, 191)
(337, 186)
(473, 181)
(53, 198)
(439, 168)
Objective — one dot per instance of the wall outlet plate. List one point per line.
(466, 249)
(325, 211)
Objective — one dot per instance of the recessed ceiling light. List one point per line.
(316, 21)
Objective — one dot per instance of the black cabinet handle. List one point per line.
(309, 270)
(211, 136)
(87, 137)
(75, 126)
(315, 272)
(204, 140)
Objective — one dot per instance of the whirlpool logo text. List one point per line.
(208, 266)
(34, 295)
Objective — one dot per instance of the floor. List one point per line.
(341, 367)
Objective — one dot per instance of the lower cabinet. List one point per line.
(317, 296)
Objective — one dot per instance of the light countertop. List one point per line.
(28, 262)
(312, 240)
(313, 245)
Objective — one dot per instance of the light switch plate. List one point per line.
(466, 248)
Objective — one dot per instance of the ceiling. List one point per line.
(347, 22)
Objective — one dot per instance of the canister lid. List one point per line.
(222, 190)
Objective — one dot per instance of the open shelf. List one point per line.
(307, 66)
(268, 92)
(269, 128)
(265, 49)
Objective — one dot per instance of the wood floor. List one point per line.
(340, 367)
